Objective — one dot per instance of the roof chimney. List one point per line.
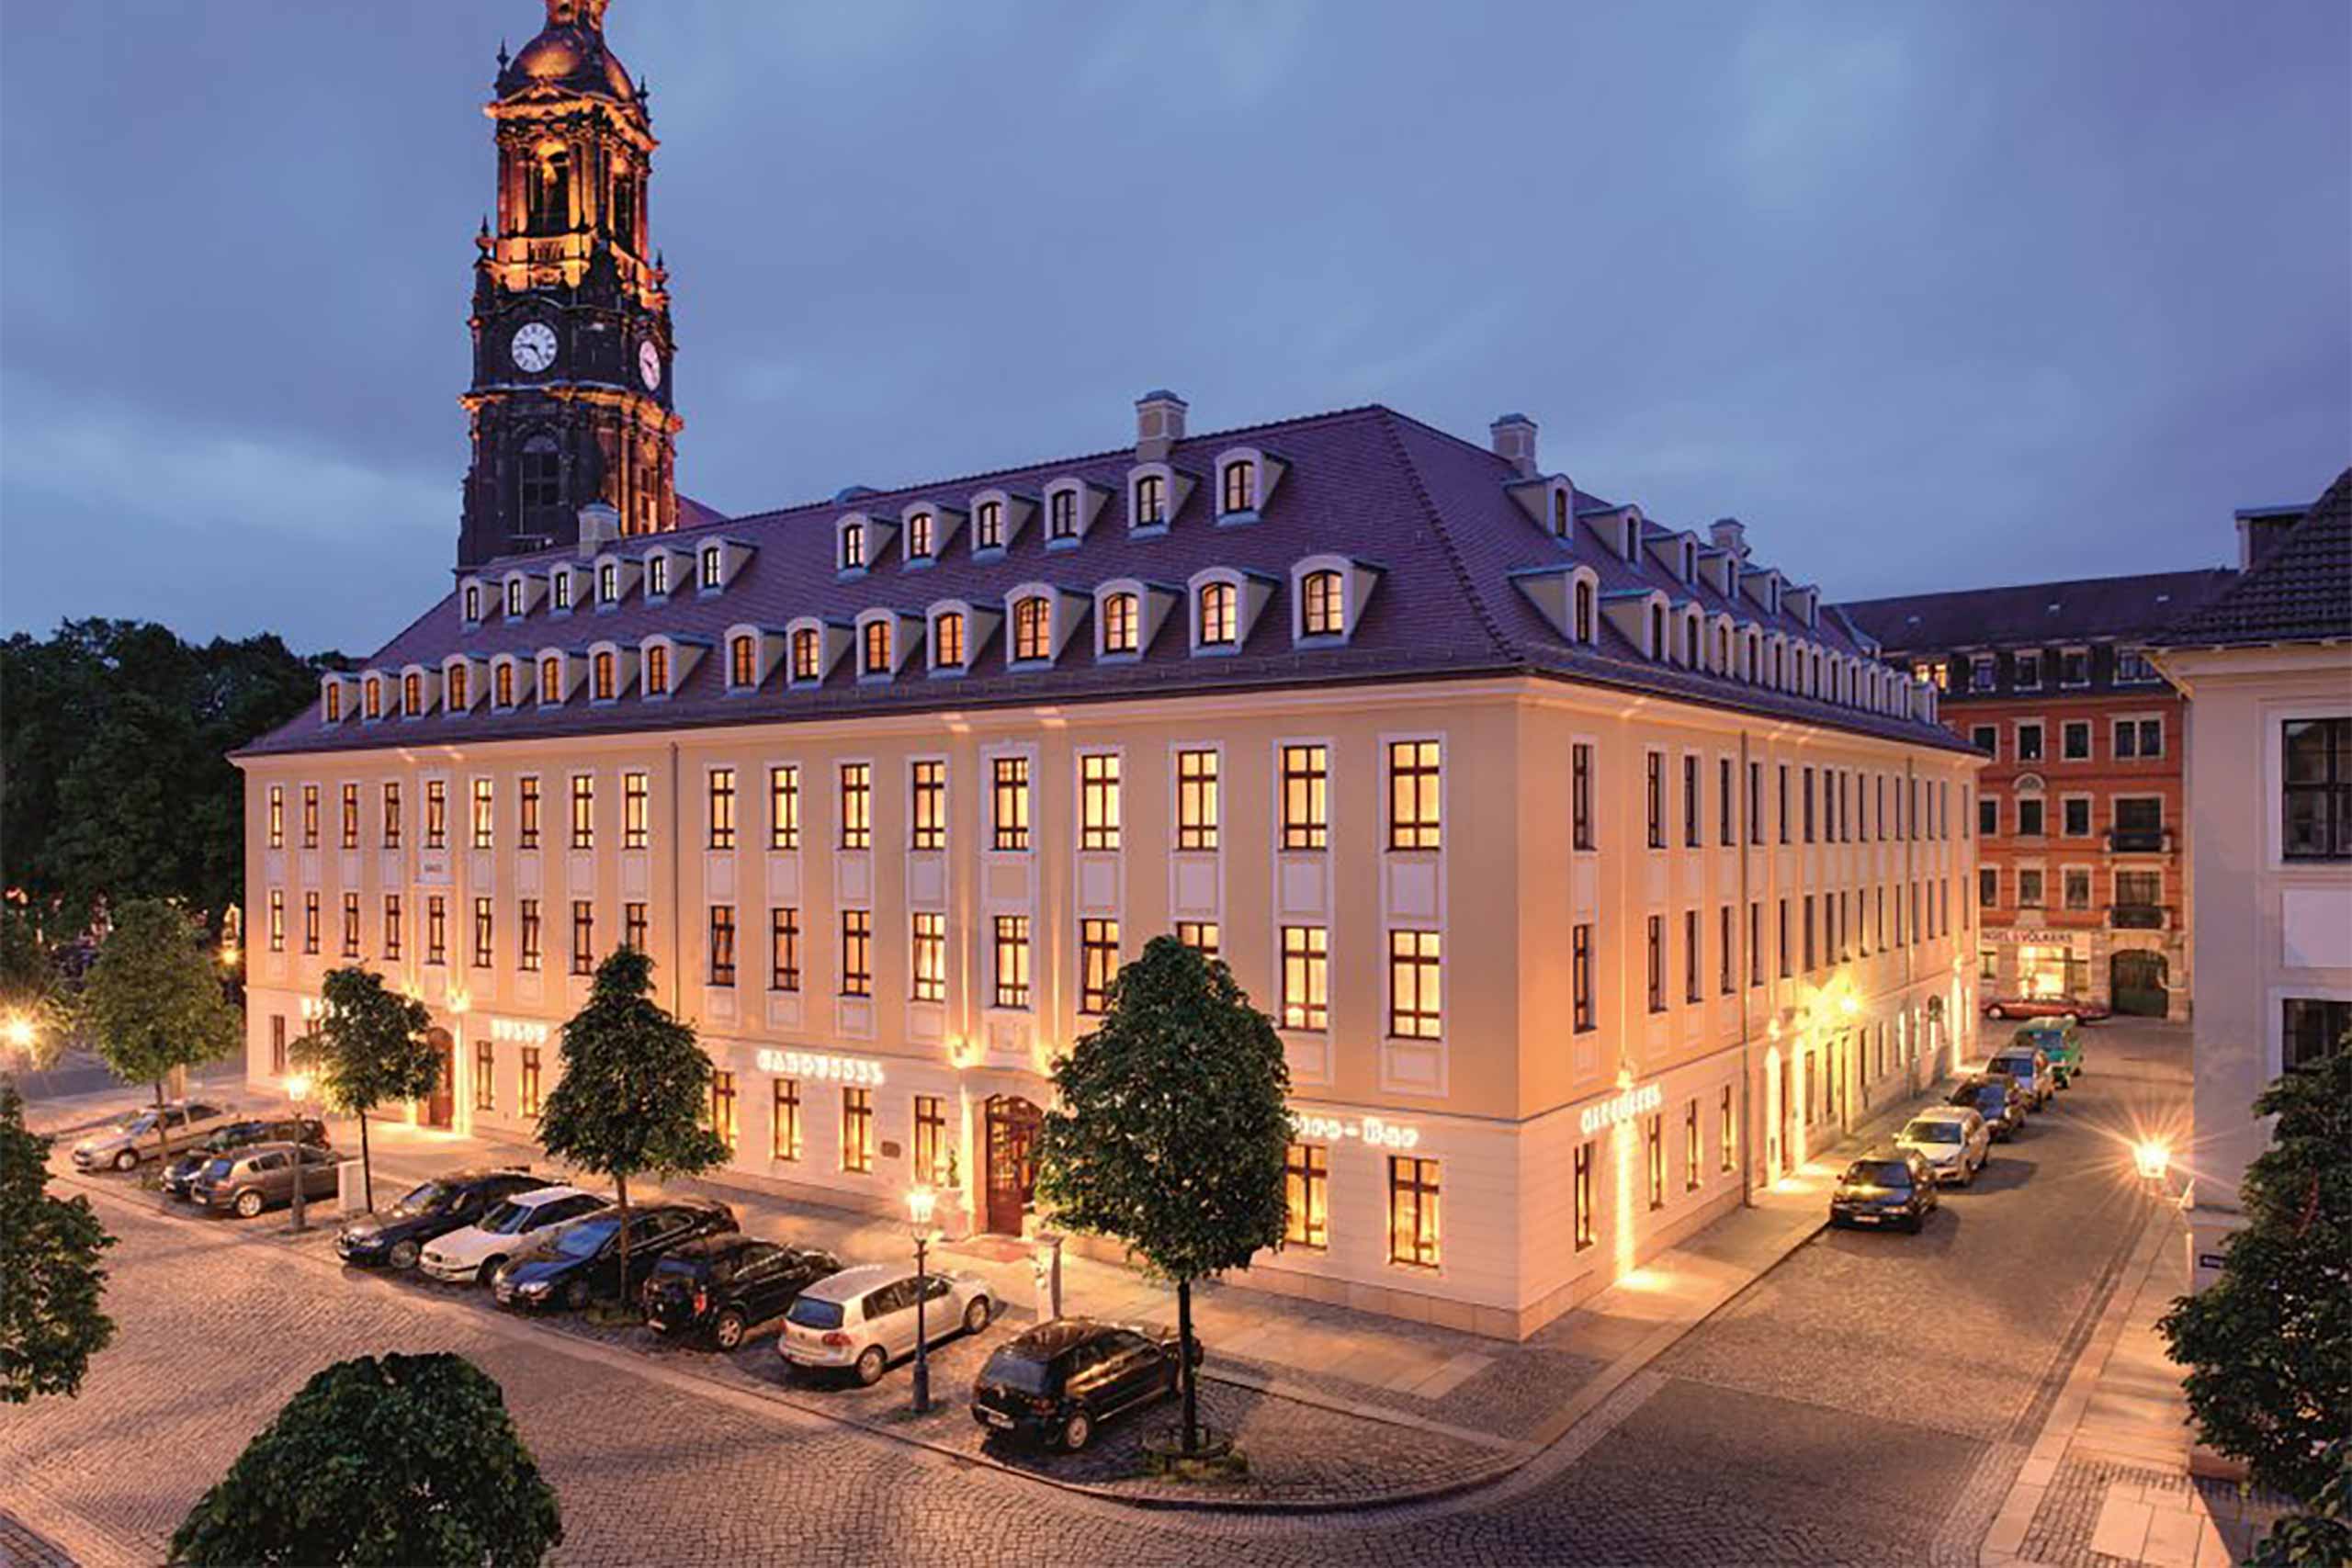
(1159, 424)
(1730, 534)
(2259, 530)
(600, 524)
(1514, 436)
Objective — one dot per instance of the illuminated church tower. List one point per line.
(571, 400)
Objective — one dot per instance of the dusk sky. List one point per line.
(1929, 296)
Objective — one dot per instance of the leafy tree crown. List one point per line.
(50, 1324)
(372, 1045)
(635, 1084)
(152, 1001)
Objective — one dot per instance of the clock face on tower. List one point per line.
(533, 347)
(648, 366)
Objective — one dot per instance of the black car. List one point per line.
(725, 1284)
(181, 1174)
(582, 1259)
(1886, 1187)
(432, 1209)
(1994, 1096)
(1057, 1381)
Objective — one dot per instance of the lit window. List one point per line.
(930, 956)
(784, 1128)
(502, 686)
(1098, 946)
(527, 810)
(722, 1109)
(657, 671)
(1307, 977)
(947, 640)
(1240, 493)
(857, 799)
(1560, 519)
(606, 678)
(743, 661)
(714, 563)
(1305, 797)
(412, 694)
(436, 814)
(1322, 605)
(333, 699)
(1307, 1182)
(1413, 781)
(455, 681)
(657, 573)
(853, 547)
(1413, 979)
(1121, 627)
(988, 526)
(857, 953)
(1413, 1211)
(473, 601)
(857, 1130)
(1580, 969)
(1197, 806)
(932, 1155)
(1584, 1215)
(529, 960)
(583, 936)
(784, 807)
(636, 817)
(1217, 602)
(1099, 801)
(784, 949)
(1151, 501)
(804, 651)
(584, 811)
(561, 584)
(722, 945)
(918, 536)
(551, 678)
(482, 933)
(351, 816)
(484, 815)
(608, 583)
(1202, 937)
(513, 598)
(722, 808)
(1061, 514)
(1032, 624)
(877, 648)
(1010, 802)
(1012, 961)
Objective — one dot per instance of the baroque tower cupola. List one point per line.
(571, 401)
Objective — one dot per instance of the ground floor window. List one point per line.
(277, 1043)
(2313, 1029)
(931, 1141)
(1307, 1182)
(530, 1086)
(2051, 970)
(1655, 1129)
(1584, 1195)
(784, 1125)
(857, 1130)
(485, 1076)
(723, 1108)
(1413, 1211)
(1690, 1146)
(1729, 1153)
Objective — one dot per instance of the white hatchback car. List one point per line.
(1953, 1139)
(512, 1228)
(861, 1319)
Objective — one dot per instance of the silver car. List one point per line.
(125, 1140)
(861, 1319)
(1953, 1139)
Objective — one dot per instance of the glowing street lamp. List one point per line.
(2153, 1156)
(18, 1032)
(920, 1203)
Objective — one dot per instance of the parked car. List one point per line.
(510, 1228)
(861, 1319)
(1884, 1187)
(122, 1143)
(430, 1209)
(2030, 1069)
(1059, 1381)
(2060, 1040)
(1953, 1139)
(582, 1260)
(262, 1176)
(181, 1173)
(726, 1285)
(2045, 1006)
(1993, 1096)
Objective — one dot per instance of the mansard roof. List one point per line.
(2036, 615)
(1368, 483)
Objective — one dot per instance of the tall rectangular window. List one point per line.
(1690, 955)
(784, 807)
(394, 928)
(391, 814)
(634, 928)
(1727, 980)
(2310, 1031)
(482, 933)
(927, 801)
(1584, 1195)
(277, 921)
(1413, 1229)
(1413, 790)
(1307, 823)
(722, 945)
(1754, 803)
(857, 806)
(584, 811)
(784, 949)
(583, 936)
(857, 1129)
(637, 830)
(1812, 952)
(1098, 794)
(1307, 1193)
(928, 944)
(1783, 803)
(2316, 808)
(1306, 976)
(310, 817)
(783, 1120)
(1414, 1011)
(1691, 805)
(1654, 797)
(722, 808)
(1754, 942)
(278, 816)
(1581, 793)
(1008, 803)
(437, 814)
(1654, 1131)
(436, 928)
(857, 953)
(1198, 809)
(483, 815)
(1012, 961)
(351, 925)
(528, 910)
(1728, 1134)
(485, 1076)
(1202, 937)
(529, 1100)
(931, 1140)
(1724, 834)
(1658, 963)
(1808, 806)
(1580, 970)
(1098, 947)
(526, 812)
(722, 1110)
(351, 817)
(277, 1043)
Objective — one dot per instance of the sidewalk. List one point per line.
(2109, 1481)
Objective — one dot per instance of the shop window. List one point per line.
(1584, 1195)
(1306, 1184)
(529, 1100)
(1413, 1212)
(722, 1119)
(857, 1130)
(783, 1120)
(931, 1140)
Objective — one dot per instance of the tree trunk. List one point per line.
(1186, 1369)
(163, 1125)
(366, 1171)
(620, 1190)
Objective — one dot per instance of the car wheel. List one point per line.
(127, 1160)
(1077, 1432)
(248, 1204)
(575, 1295)
(488, 1272)
(403, 1256)
(728, 1332)
(870, 1362)
(976, 1316)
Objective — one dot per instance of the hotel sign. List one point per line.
(1624, 1106)
(1313, 1128)
(816, 1064)
(521, 1030)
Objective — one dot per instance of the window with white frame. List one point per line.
(1032, 626)
(947, 640)
(1219, 608)
(1322, 603)
(1122, 623)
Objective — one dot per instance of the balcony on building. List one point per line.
(2140, 840)
(2139, 916)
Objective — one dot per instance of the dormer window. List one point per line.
(608, 583)
(1323, 604)
(513, 598)
(657, 573)
(411, 695)
(853, 548)
(657, 669)
(1563, 520)
(742, 660)
(1585, 597)
(920, 528)
(551, 679)
(334, 704)
(1061, 514)
(947, 640)
(1238, 488)
(473, 601)
(877, 648)
(807, 654)
(1657, 631)
(713, 565)
(988, 526)
(1690, 641)
(1151, 501)
(1690, 566)
(1121, 621)
(605, 675)
(1219, 604)
(561, 588)
(1031, 628)
(455, 680)
(501, 685)
(374, 701)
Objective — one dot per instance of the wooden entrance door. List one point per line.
(1013, 1165)
(441, 1105)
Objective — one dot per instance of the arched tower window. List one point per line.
(549, 197)
(622, 221)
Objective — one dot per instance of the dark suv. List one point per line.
(1886, 1187)
(180, 1175)
(1056, 1383)
(582, 1260)
(726, 1284)
(432, 1210)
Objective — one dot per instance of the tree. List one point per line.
(35, 1009)
(371, 1048)
(49, 1321)
(635, 1087)
(405, 1459)
(153, 1001)
(2269, 1344)
(1172, 1130)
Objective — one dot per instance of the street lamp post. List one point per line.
(920, 1204)
(298, 1089)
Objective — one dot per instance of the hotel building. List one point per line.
(1594, 871)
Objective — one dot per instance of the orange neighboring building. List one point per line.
(2082, 864)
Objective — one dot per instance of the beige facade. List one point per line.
(1483, 1141)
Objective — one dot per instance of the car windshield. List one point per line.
(135, 1121)
(2016, 1067)
(1993, 1095)
(1010, 1369)
(585, 1239)
(1878, 1173)
(218, 1170)
(811, 1313)
(1932, 1132)
(424, 1200)
(506, 1219)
